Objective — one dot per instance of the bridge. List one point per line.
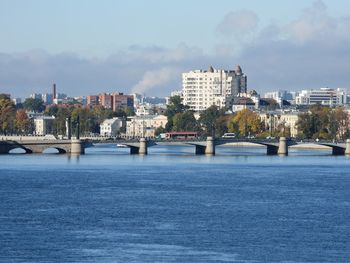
(273, 147)
(207, 146)
(73, 146)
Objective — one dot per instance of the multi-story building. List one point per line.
(274, 121)
(121, 101)
(113, 101)
(47, 98)
(241, 103)
(204, 88)
(35, 96)
(43, 124)
(145, 126)
(92, 100)
(138, 99)
(281, 95)
(105, 100)
(16, 101)
(110, 127)
(324, 96)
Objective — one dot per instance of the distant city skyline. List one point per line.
(87, 47)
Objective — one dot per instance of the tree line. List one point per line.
(322, 122)
(318, 122)
(212, 121)
(15, 120)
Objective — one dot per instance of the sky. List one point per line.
(87, 46)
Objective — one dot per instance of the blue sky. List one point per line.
(142, 46)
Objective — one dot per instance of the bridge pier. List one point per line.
(283, 146)
(347, 147)
(338, 150)
(271, 150)
(210, 148)
(77, 147)
(143, 146)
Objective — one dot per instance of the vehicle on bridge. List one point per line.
(229, 135)
(181, 135)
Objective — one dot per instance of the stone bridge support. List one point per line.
(283, 146)
(143, 146)
(140, 148)
(347, 147)
(208, 149)
(77, 147)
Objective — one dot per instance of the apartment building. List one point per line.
(204, 88)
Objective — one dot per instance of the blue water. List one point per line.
(173, 206)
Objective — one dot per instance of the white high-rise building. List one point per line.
(204, 88)
(324, 96)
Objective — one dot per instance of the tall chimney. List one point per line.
(54, 91)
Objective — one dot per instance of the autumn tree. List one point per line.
(7, 114)
(245, 122)
(22, 123)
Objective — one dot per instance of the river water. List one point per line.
(173, 206)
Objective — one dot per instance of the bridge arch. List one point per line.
(17, 150)
(54, 150)
(271, 148)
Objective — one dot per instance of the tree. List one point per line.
(209, 119)
(185, 121)
(22, 122)
(7, 114)
(36, 105)
(174, 106)
(245, 122)
(341, 118)
(317, 123)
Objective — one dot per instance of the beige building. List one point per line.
(275, 120)
(145, 126)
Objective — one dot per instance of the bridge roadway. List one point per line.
(207, 146)
(140, 146)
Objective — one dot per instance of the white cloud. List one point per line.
(238, 23)
(156, 78)
(313, 23)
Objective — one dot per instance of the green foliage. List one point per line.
(212, 121)
(175, 106)
(185, 121)
(36, 105)
(323, 123)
